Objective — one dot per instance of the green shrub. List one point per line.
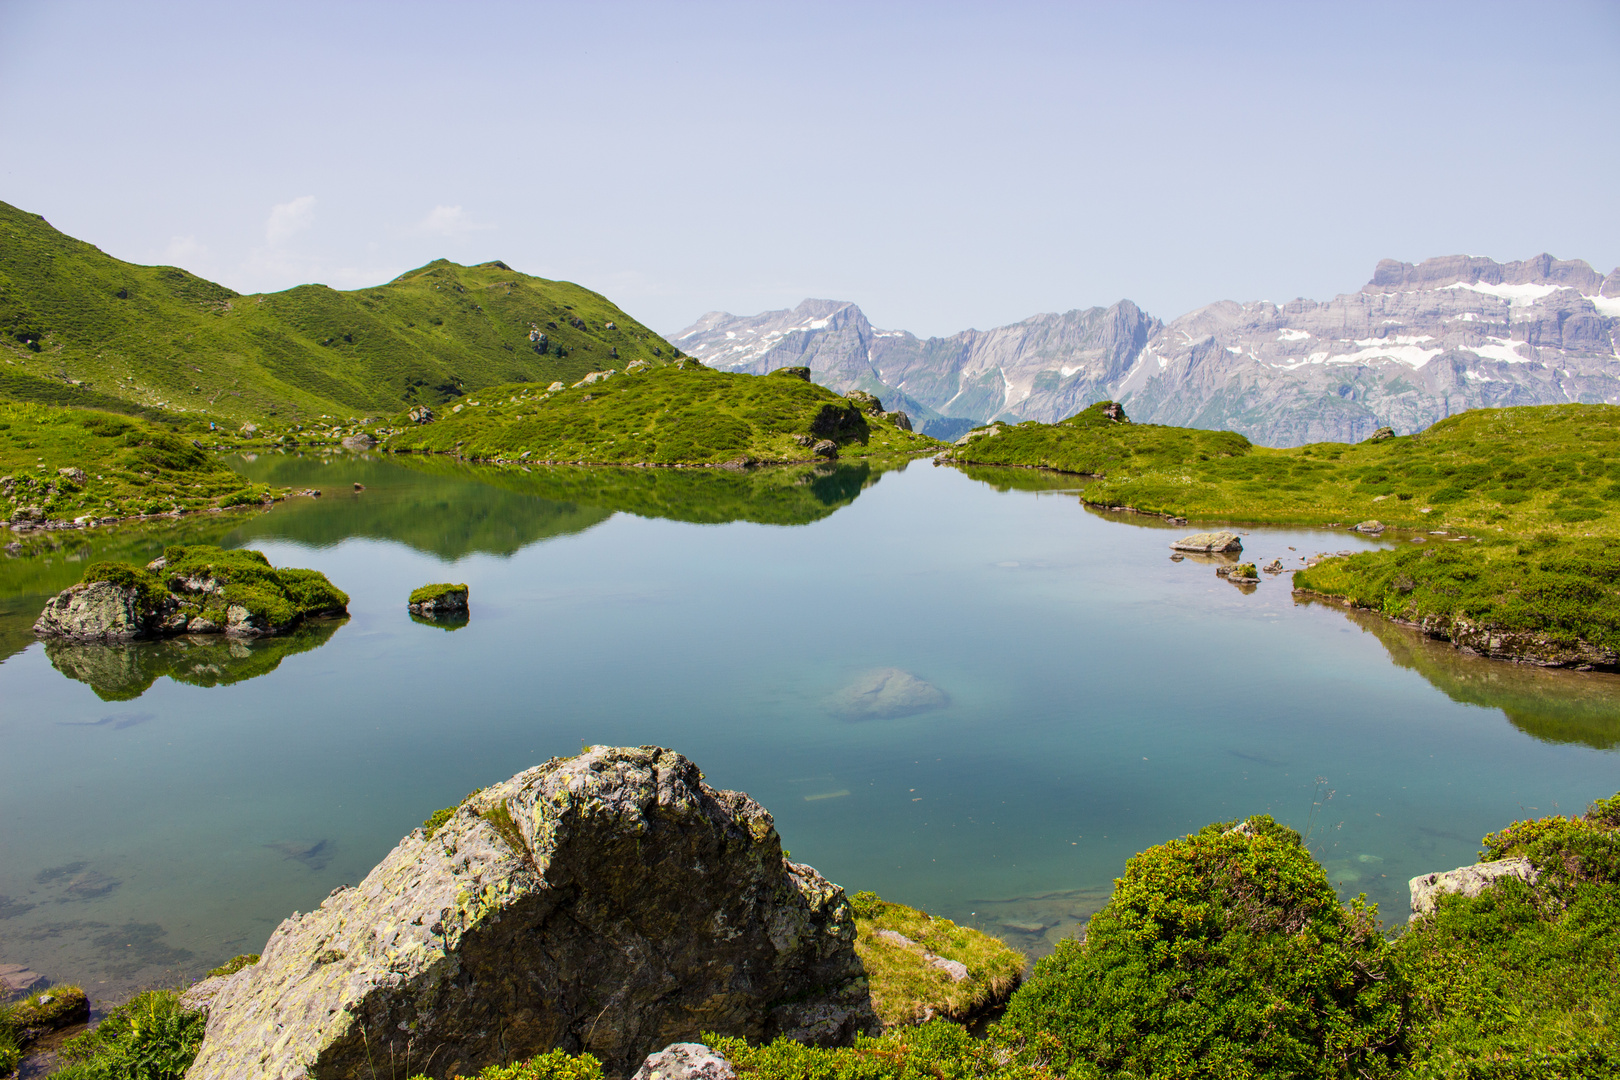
(866, 905)
(1224, 953)
(937, 1050)
(1523, 980)
(149, 1038)
(436, 821)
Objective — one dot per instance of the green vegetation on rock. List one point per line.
(433, 592)
(678, 414)
(937, 1050)
(555, 1065)
(213, 581)
(899, 945)
(59, 464)
(80, 327)
(233, 965)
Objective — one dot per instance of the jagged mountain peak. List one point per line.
(1418, 343)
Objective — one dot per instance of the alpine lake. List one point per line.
(165, 805)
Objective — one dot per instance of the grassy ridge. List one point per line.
(115, 466)
(1536, 488)
(75, 321)
(682, 413)
(1519, 470)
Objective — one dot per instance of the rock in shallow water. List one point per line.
(1209, 543)
(884, 693)
(611, 903)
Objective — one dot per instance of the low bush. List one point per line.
(1224, 953)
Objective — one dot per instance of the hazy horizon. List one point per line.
(942, 166)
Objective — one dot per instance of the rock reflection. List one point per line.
(125, 672)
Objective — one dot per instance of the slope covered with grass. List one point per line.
(1517, 470)
(78, 326)
(58, 464)
(678, 414)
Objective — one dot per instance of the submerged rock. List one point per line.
(610, 903)
(1209, 543)
(1466, 880)
(884, 693)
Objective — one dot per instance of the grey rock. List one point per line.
(867, 403)
(72, 473)
(606, 903)
(686, 1061)
(993, 429)
(825, 448)
(1372, 528)
(1416, 344)
(898, 419)
(421, 414)
(1209, 543)
(1275, 566)
(362, 441)
(884, 693)
(1467, 881)
(101, 611)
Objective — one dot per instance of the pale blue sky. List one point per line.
(942, 165)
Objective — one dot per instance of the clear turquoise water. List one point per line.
(1102, 699)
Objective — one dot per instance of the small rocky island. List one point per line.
(195, 589)
(442, 599)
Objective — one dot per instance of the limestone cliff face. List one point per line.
(1416, 344)
(611, 902)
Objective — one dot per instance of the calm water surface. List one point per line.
(166, 806)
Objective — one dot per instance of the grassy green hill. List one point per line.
(681, 413)
(1534, 489)
(80, 327)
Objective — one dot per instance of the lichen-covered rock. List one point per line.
(1209, 543)
(103, 611)
(686, 1061)
(1466, 880)
(611, 903)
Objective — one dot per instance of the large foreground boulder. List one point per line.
(611, 903)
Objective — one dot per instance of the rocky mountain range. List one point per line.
(1415, 344)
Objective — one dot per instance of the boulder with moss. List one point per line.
(612, 903)
(431, 601)
(196, 589)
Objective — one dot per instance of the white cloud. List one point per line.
(449, 221)
(184, 251)
(288, 218)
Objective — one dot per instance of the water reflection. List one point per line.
(125, 672)
(1550, 704)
